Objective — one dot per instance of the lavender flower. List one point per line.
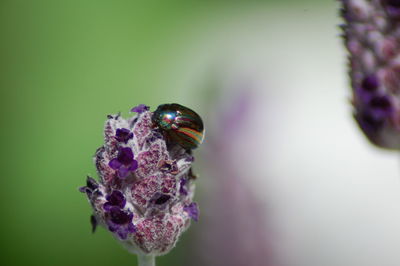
(140, 108)
(123, 135)
(141, 197)
(372, 37)
(114, 199)
(192, 210)
(124, 162)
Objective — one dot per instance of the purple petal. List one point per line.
(134, 165)
(107, 206)
(123, 171)
(119, 217)
(370, 83)
(122, 132)
(125, 156)
(392, 7)
(140, 108)
(369, 123)
(381, 104)
(182, 188)
(116, 198)
(131, 228)
(192, 210)
(112, 226)
(123, 234)
(190, 159)
(123, 135)
(114, 164)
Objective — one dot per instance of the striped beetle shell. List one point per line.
(180, 124)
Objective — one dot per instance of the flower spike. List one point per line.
(372, 38)
(144, 195)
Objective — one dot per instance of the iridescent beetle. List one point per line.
(180, 125)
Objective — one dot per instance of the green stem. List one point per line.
(146, 260)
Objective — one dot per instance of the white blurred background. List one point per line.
(329, 197)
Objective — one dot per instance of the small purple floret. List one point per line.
(193, 211)
(380, 107)
(370, 123)
(125, 156)
(115, 199)
(370, 83)
(123, 135)
(140, 108)
(124, 163)
(120, 222)
(381, 103)
(118, 216)
(182, 188)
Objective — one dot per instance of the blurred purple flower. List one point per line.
(371, 36)
(233, 229)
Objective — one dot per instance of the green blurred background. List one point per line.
(65, 65)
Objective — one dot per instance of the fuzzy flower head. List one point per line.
(144, 195)
(372, 37)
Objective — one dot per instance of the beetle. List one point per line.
(179, 124)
